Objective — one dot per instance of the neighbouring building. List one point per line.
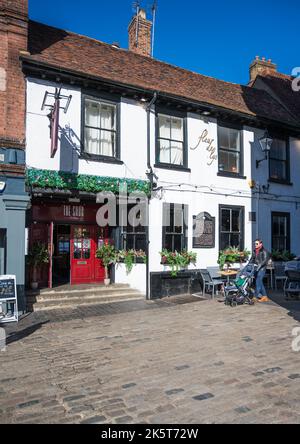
(136, 122)
(13, 198)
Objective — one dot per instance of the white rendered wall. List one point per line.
(136, 278)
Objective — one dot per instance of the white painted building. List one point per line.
(203, 151)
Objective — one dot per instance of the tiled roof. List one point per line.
(281, 85)
(69, 51)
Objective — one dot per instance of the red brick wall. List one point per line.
(13, 39)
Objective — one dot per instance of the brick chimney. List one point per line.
(13, 40)
(261, 67)
(140, 34)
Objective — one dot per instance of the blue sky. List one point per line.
(217, 38)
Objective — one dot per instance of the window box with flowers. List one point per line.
(177, 261)
(232, 257)
(131, 257)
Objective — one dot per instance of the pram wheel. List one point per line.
(234, 304)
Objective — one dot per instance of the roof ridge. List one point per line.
(55, 46)
(133, 54)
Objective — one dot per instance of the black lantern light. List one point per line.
(266, 144)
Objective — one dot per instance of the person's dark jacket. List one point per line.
(261, 259)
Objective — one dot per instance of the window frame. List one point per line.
(175, 114)
(288, 236)
(124, 233)
(184, 234)
(108, 99)
(242, 232)
(287, 180)
(240, 129)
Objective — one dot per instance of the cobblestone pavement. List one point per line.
(153, 362)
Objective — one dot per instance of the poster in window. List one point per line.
(204, 231)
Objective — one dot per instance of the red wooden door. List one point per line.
(85, 267)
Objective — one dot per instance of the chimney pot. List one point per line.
(262, 67)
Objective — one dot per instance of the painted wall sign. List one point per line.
(204, 231)
(210, 147)
(65, 213)
(74, 211)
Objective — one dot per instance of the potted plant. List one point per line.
(108, 255)
(38, 255)
(282, 256)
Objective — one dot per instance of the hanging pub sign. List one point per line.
(8, 299)
(54, 124)
(204, 231)
(54, 115)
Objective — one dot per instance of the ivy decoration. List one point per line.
(61, 180)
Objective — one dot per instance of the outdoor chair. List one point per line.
(214, 272)
(210, 284)
(280, 275)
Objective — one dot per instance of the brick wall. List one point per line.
(13, 39)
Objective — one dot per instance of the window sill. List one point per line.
(103, 159)
(281, 182)
(231, 175)
(163, 166)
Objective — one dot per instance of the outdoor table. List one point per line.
(228, 274)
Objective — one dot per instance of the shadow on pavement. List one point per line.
(291, 305)
(22, 334)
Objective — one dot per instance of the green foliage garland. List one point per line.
(94, 184)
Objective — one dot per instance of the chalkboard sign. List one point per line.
(204, 231)
(7, 289)
(8, 299)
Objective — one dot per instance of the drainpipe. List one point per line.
(151, 176)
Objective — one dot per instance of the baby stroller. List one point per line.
(240, 291)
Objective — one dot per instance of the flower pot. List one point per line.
(34, 285)
(106, 282)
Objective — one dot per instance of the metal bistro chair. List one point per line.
(280, 275)
(210, 284)
(214, 272)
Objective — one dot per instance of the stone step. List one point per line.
(77, 289)
(75, 303)
(78, 295)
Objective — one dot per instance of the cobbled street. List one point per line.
(153, 362)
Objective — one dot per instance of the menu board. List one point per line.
(7, 288)
(204, 231)
(8, 299)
